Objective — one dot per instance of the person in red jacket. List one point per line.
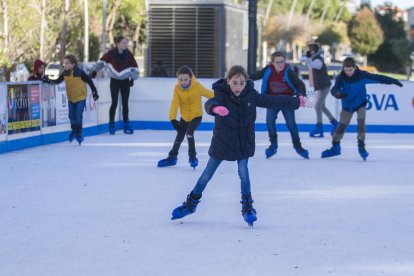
(280, 80)
(38, 71)
(123, 70)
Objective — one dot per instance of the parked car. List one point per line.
(88, 68)
(52, 70)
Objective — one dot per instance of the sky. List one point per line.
(405, 4)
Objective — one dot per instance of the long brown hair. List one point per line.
(237, 70)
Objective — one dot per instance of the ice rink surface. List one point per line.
(104, 208)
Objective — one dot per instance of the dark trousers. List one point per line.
(289, 115)
(187, 129)
(76, 116)
(116, 86)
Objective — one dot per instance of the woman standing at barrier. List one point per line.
(123, 70)
(75, 80)
(187, 96)
(234, 107)
(350, 88)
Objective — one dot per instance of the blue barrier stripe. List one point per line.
(157, 125)
(45, 139)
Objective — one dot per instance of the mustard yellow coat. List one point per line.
(189, 101)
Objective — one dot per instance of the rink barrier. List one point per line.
(143, 125)
(390, 110)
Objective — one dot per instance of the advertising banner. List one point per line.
(48, 105)
(3, 112)
(62, 109)
(90, 114)
(390, 104)
(23, 102)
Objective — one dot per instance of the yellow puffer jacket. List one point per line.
(189, 101)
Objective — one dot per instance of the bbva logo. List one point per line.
(382, 102)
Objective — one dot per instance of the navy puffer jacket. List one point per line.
(234, 137)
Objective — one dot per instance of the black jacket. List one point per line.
(234, 137)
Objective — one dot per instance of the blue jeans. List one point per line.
(289, 115)
(76, 116)
(211, 168)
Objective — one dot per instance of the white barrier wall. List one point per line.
(3, 112)
(388, 104)
(28, 111)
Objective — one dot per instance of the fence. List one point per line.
(33, 113)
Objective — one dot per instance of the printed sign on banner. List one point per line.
(390, 104)
(3, 112)
(22, 117)
(90, 115)
(62, 109)
(48, 105)
(35, 101)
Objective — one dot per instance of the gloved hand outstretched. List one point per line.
(95, 95)
(301, 101)
(340, 95)
(220, 110)
(176, 124)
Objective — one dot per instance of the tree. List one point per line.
(393, 54)
(365, 33)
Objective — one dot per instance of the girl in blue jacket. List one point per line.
(234, 107)
(350, 88)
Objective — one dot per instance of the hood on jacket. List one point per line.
(36, 65)
(222, 85)
(193, 80)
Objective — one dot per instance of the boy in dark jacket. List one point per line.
(350, 88)
(234, 107)
(75, 80)
(279, 79)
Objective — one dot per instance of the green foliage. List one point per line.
(334, 34)
(282, 7)
(329, 36)
(365, 33)
(393, 54)
(25, 24)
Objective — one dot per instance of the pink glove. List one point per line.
(302, 101)
(220, 110)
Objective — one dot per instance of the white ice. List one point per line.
(104, 208)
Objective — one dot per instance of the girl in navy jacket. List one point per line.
(234, 107)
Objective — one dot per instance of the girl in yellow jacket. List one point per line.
(187, 96)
